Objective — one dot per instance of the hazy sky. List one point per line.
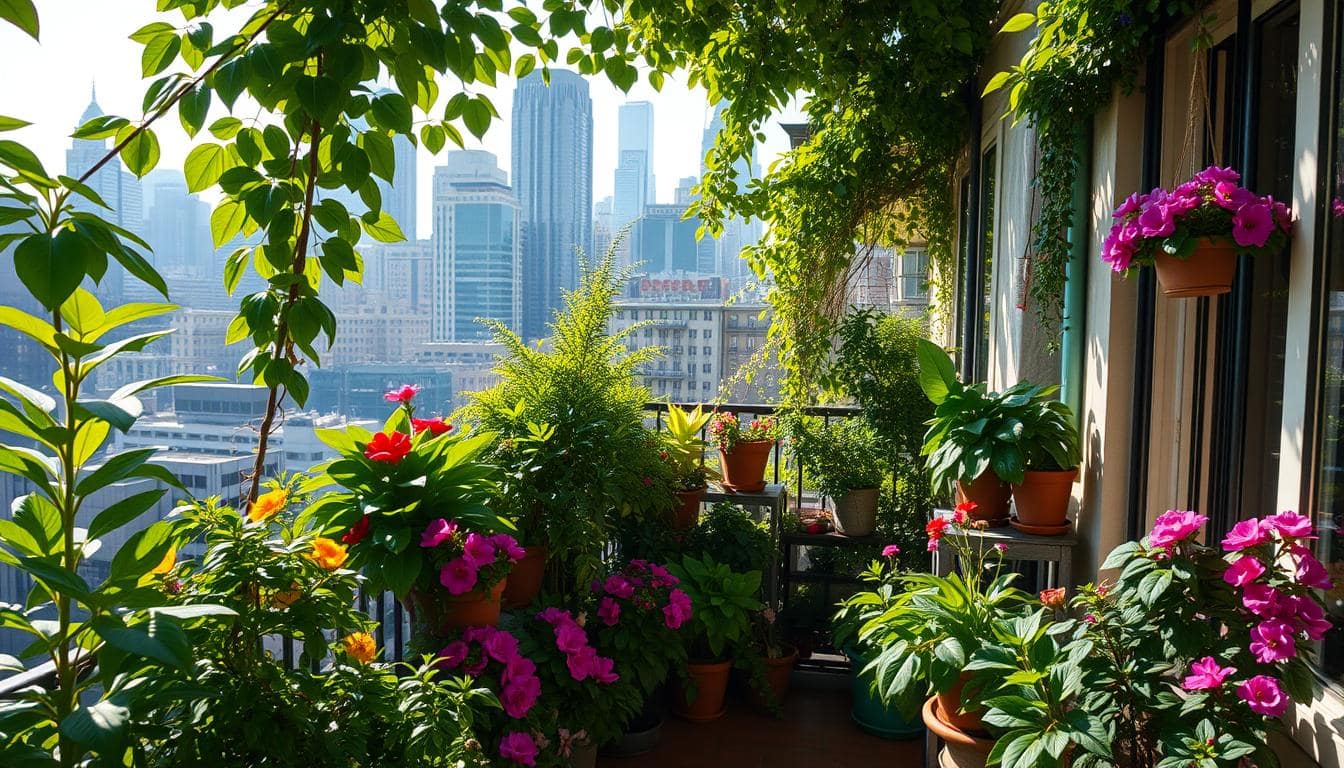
(87, 41)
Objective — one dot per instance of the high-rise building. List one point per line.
(477, 251)
(177, 226)
(603, 233)
(663, 240)
(553, 181)
(634, 186)
(399, 196)
(737, 233)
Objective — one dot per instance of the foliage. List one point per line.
(685, 448)
(723, 602)
(839, 457)
(1190, 658)
(640, 613)
(1082, 50)
(734, 538)
(575, 449)
(877, 364)
(727, 430)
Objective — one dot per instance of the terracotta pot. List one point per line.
(990, 495)
(960, 749)
(524, 582)
(777, 674)
(583, 755)
(744, 466)
(711, 686)
(687, 511)
(439, 613)
(1208, 271)
(1042, 498)
(949, 705)
(855, 513)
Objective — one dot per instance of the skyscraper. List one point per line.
(477, 251)
(737, 233)
(399, 196)
(634, 189)
(553, 181)
(177, 225)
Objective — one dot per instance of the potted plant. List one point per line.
(734, 537)
(413, 517)
(1050, 439)
(769, 662)
(744, 450)
(685, 451)
(1193, 233)
(845, 460)
(719, 608)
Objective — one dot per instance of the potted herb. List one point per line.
(1050, 440)
(846, 462)
(734, 537)
(1193, 233)
(744, 449)
(719, 607)
(685, 451)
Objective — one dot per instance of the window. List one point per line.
(704, 386)
(691, 351)
(709, 315)
(705, 368)
(707, 352)
(693, 332)
(708, 334)
(914, 274)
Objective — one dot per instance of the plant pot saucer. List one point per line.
(1041, 530)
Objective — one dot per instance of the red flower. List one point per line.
(403, 394)
(964, 511)
(436, 426)
(357, 531)
(388, 448)
(1053, 598)
(936, 528)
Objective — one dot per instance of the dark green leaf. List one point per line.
(51, 272)
(21, 14)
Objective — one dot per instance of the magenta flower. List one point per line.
(1205, 674)
(1244, 571)
(1001, 548)
(1282, 216)
(582, 663)
(1231, 197)
(518, 747)
(1310, 572)
(505, 543)
(678, 609)
(478, 551)
(1244, 535)
(403, 394)
(1215, 175)
(1261, 600)
(517, 668)
(609, 611)
(1156, 220)
(570, 638)
(604, 670)
(1133, 204)
(502, 647)
(891, 550)
(458, 576)
(1252, 225)
(1264, 696)
(437, 532)
(1290, 525)
(453, 654)
(1307, 616)
(519, 696)
(619, 586)
(1272, 640)
(1173, 526)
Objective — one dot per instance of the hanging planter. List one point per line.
(1194, 232)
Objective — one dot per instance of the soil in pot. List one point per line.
(949, 705)
(778, 672)
(711, 687)
(960, 749)
(439, 613)
(1042, 498)
(744, 466)
(990, 496)
(855, 513)
(524, 582)
(686, 513)
(1207, 271)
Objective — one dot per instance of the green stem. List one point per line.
(67, 694)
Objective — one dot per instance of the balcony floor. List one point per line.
(815, 732)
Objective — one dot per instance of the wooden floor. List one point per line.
(815, 732)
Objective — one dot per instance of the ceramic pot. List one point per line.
(1207, 271)
(583, 755)
(949, 705)
(868, 711)
(711, 687)
(524, 582)
(1042, 498)
(778, 671)
(855, 513)
(990, 495)
(960, 749)
(439, 613)
(686, 513)
(744, 466)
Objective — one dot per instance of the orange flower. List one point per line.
(328, 553)
(360, 646)
(287, 597)
(166, 564)
(267, 505)
(1053, 598)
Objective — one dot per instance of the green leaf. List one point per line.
(58, 579)
(100, 127)
(22, 159)
(114, 469)
(159, 53)
(937, 375)
(226, 128)
(382, 157)
(995, 83)
(163, 381)
(101, 727)
(385, 229)
(1019, 22)
(391, 111)
(192, 109)
(476, 116)
(204, 165)
(50, 273)
(226, 221)
(120, 414)
(12, 123)
(123, 512)
(318, 95)
(194, 611)
(141, 153)
(21, 14)
(161, 639)
(142, 551)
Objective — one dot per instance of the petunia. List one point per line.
(389, 449)
(501, 646)
(619, 586)
(1173, 526)
(570, 638)
(458, 576)
(582, 664)
(518, 747)
(509, 545)
(1307, 616)
(604, 670)
(1272, 640)
(437, 532)
(1252, 225)
(518, 668)
(478, 551)
(519, 696)
(1264, 696)
(1215, 175)
(1156, 220)
(1244, 571)
(1310, 572)
(1261, 600)
(1205, 674)
(1244, 535)
(453, 654)
(403, 394)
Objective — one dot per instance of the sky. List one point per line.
(86, 42)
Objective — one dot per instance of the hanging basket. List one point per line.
(1207, 271)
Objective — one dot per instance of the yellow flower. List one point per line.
(267, 504)
(286, 598)
(166, 564)
(328, 553)
(360, 646)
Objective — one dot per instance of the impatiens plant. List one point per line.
(468, 561)
(640, 612)
(1209, 205)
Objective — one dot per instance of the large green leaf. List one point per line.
(119, 467)
(123, 512)
(385, 229)
(101, 727)
(203, 167)
(22, 14)
(51, 268)
(160, 639)
(58, 579)
(937, 375)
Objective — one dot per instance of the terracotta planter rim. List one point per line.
(1051, 475)
(703, 664)
(781, 661)
(952, 735)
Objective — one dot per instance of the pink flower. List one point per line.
(1272, 640)
(458, 576)
(609, 611)
(519, 696)
(478, 551)
(1261, 600)
(604, 670)
(582, 664)
(403, 394)
(1231, 197)
(1310, 572)
(509, 546)
(1252, 225)
(932, 546)
(1174, 526)
(1244, 571)
(1206, 674)
(570, 638)
(502, 647)
(618, 586)
(1214, 175)
(1246, 534)
(1001, 548)
(1090, 618)
(436, 426)
(1307, 616)
(1133, 204)
(519, 748)
(437, 532)
(1156, 220)
(516, 669)
(891, 550)
(678, 609)
(1264, 696)
(1282, 216)
(453, 654)
(1289, 525)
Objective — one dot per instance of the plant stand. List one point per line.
(773, 500)
(790, 543)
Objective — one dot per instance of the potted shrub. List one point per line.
(734, 537)
(1193, 233)
(769, 662)
(720, 603)
(685, 451)
(413, 517)
(845, 460)
(744, 450)
(1050, 439)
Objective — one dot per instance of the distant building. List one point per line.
(664, 241)
(177, 227)
(471, 363)
(477, 248)
(399, 196)
(603, 230)
(737, 233)
(356, 391)
(408, 275)
(553, 180)
(891, 281)
(376, 332)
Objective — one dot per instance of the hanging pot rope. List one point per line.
(1200, 110)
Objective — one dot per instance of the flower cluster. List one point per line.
(518, 747)
(580, 657)
(727, 430)
(1212, 203)
(478, 649)
(473, 560)
(647, 587)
